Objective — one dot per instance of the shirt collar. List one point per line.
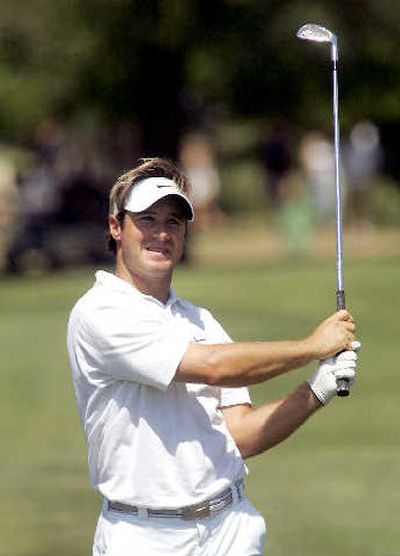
(104, 278)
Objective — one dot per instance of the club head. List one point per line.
(317, 33)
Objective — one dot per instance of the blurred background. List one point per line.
(87, 87)
(225, 89)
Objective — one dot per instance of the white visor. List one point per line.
(146, 192)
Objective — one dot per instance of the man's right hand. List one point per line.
(333, 335)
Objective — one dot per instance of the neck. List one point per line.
(157, 287)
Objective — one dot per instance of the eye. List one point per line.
(145, 218)
(177, 218)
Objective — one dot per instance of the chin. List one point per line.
(167, 259)
(161, 266)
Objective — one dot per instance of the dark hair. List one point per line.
(146, 168)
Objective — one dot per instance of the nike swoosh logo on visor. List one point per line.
(160, 186)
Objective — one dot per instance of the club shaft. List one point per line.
(342, 388)
(338, 189)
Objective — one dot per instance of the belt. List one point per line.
(195, 511)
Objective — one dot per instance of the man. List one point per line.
(161, 389)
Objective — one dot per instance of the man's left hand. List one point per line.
(324, 381)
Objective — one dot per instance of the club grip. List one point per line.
(342, 384)
(342, 388)
(340, 300)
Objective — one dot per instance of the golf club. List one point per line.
(316, 33)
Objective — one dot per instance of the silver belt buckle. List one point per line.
(196, 511)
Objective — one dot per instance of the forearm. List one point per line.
(259, 429)
(243, 363)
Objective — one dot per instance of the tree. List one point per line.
(159, 63)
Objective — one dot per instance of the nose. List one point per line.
(161, 231)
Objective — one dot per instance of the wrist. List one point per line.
(313, 402)
(308, 348)
(317, 402)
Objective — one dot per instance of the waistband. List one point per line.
(200, 510)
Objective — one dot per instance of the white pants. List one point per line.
(237, 531)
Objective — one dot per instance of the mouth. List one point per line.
(160, 249)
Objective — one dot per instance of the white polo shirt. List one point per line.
(151, 441)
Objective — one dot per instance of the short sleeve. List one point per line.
(228, 396)
(127, 345)
(234, 396)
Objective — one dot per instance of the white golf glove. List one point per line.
(343, 365)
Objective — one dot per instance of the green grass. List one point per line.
(332, 489)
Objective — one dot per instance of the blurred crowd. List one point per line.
(54, 198)
(300, 182)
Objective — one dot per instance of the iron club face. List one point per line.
(313, 32)
(317, 33)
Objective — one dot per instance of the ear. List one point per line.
(114, 226)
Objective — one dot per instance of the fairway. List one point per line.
(330, 490)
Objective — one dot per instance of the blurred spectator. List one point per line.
(276, 159)
(295, 215)
(8, 202)
(48, 140)
(81, 218)
(316, 156)
(38, 200)
(197, 159)
(363, 159)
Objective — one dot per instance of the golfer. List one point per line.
(162, 390)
